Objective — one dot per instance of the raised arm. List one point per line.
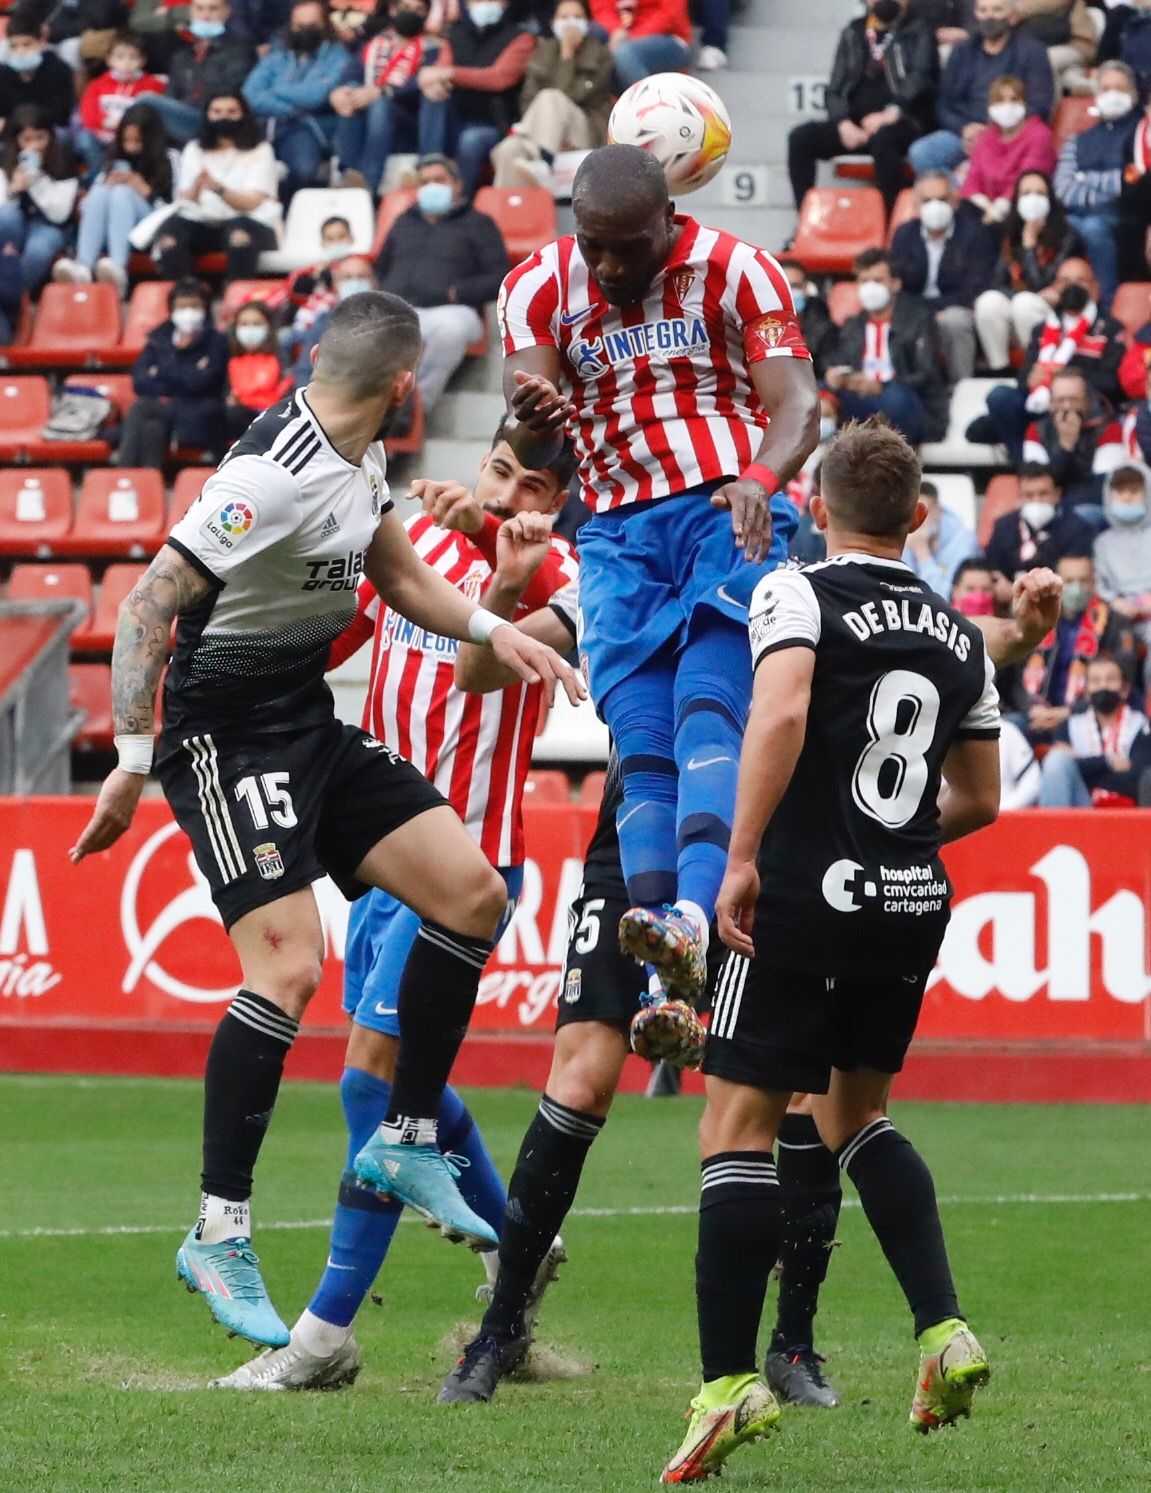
(537, 410)
(1035, 600)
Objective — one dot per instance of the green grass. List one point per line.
(102, 1355)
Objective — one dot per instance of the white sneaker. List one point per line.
(549, 1271)
(294, 1368)
(111, 273)
(711, 60)
(537, 173)
(71, 272)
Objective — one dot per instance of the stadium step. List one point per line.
(450, 460)
(466, 414)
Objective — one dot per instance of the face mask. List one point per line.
(434, 198)
(799, 301)
(188, 319)
(1113, 103)
(1007, 115)
(206, 30)
(335, 251)
(1033, 207)
(1076, 595)
(218, 130)
(353, 287)
(305, 38)
(1105, 701)
(25, 62)
(827, 427)
(886, 12)
(1127, 513)
(125, 74)
(977, 604)
(1072, 300)
(569, 26)
(937, 216)
(992, 30)
(249, 335)
(1037, 514)
(873, 296)
(485, 13)
(407, 23)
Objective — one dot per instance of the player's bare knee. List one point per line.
(838, 1123)
(289, 981)
(479, 904)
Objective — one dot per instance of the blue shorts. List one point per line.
(646, 567)
(381, 931)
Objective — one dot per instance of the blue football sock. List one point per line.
(638, 713)
(480, 1184)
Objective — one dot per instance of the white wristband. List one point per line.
(135, 753)
(482, 623)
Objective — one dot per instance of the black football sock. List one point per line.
(810, 1196)
(241, 1082)
(540, 1193)
(738, 1246)
(898, 1196)
(436, 997)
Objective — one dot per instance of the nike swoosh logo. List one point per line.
(721, 592)
(570, 318)
(707, 762)
(382, 1010)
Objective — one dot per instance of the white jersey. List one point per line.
(281, 530)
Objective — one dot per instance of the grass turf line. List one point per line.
(102, 1356)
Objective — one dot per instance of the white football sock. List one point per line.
(403, 1131)
(221, 1219)
(491, 1262)
(695, 914)
(318, 1337)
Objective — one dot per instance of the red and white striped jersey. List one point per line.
(663, 399)
(476, 749)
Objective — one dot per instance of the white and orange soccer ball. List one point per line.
(681, 121)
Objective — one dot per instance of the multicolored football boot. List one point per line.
(948, 1380)
(670, 942)
(668, 1031)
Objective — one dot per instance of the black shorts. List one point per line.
(786, 1029)
(599, 983)
(270, 814)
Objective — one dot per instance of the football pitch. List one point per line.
(103, 1357)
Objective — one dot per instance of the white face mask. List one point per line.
(1034, 206)
(1038, 514)
(936, 215)
(569, 26)
(484, 13)
(336, 251)
(873, 296)
(1113, 103)
(250, 334)
(188, 319)
(1007, 115)
(827, 427)
(352, 287)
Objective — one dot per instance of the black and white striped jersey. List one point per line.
(281, 530)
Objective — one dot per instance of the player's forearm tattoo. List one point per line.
(168, 586)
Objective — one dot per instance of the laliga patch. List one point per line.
(762, 621)
(773, 334)
(268, 862)
(573, 986)
(225, 527)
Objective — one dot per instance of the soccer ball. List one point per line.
(681, 121)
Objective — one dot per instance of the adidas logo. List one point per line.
(330, 527)
(391, 1167)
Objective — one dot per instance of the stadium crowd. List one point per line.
(1008, 139)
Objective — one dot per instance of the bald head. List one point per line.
(620, 180)
(625, 227)
(370, 340)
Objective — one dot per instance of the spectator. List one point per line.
(158, 24)
(888, 359)
(138, 176)
(260, 21)
(941, 543)
(306, 293)
(1037, 239)
(566, 99)
(819, 331)
(1135, 203)
(645, 36)
(448, 261)
(80, 31)
(999, 50)
(1013, 143)
(951, 21)
(1137, 421)
(1123, 552)
(226, 195)
(290, 87)
(384, 112)
(180, 380)
(1018, 768)
(947, 257)
(1075, 334)
(1127, 38)
(714, 18)
(37, 193)
(1099, 751)
(879, 99)
(1040, 532)
(256, 377)
(350, 276)
(473, 86)
(33, 75)
(1078, 440)
(1065, 28)
(105, 100)
(1089, 176)
(216, 60)
(973, 587)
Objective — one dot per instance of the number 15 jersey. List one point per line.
(851, 879)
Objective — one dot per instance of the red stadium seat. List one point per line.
(591, 789)
(547, 788)
(239, 293)
(1002, 497)
(90, 691)
(25, 405)
(525, 216)
(185, 491)
(52, 583)
(1072, 116)
(35, 510)
(1132, 304)
(118, 581)
(843, 301)
(77, 326)
(121, 512)
(392, 204)
(835, 225)
(906, 208)
(146, 310)
(214, 263)
(853, 168)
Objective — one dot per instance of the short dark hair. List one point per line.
(24, 25)
(871, 257)
(562, 468)
(929, 490)
(186, 288)
(1034, 471)
(367, 341)
(965, 567)
(1121, 663)
(127, 39)
(870, 479)
(437, 159)
(335, 218)
(1127, 478)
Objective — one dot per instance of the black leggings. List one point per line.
(180, 241)
(819, 140)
